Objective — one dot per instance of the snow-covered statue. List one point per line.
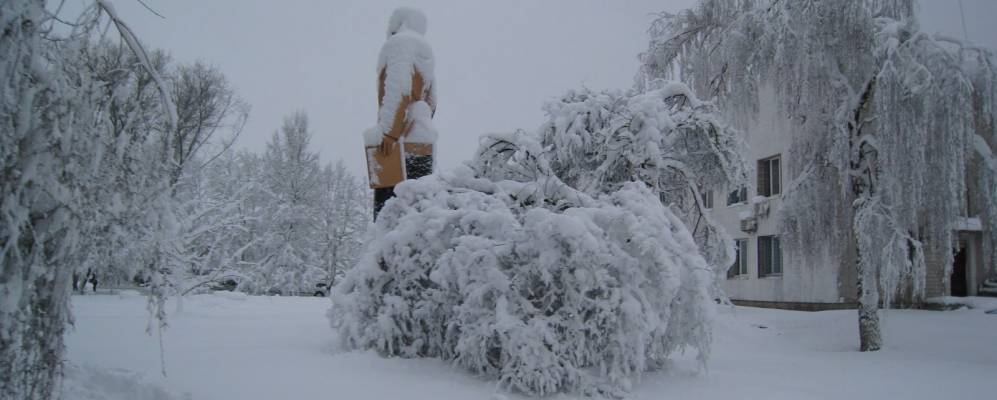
(400, 146)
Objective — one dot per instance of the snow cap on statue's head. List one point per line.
(407, 18)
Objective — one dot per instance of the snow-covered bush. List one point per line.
(556, 264)
(665, 137)
(564, 292)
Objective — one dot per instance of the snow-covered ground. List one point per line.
(237, 347)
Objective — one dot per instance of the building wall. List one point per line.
(936, 283)
(833, 282)
(767, 136)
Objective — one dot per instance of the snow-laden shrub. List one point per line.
(560, 262)
(665, 137)
(567, 293)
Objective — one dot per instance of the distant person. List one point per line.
(92, 278)
(76, 281)
(400, 146)
(86, 278)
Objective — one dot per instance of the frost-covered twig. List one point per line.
(143, 57)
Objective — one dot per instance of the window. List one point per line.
(740, 266)
(707, 198)
(769, 180)
(769, 256)
(739, 195)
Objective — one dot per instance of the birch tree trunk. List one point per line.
(870, 338)
(863, 175)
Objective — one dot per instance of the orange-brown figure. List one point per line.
(401, 145)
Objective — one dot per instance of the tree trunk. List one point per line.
(870, 338)
(864, 187)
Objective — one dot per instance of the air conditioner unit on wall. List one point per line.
(749, 224)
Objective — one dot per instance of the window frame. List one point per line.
(707, 198)
(741, 197)
(740, 265)
(769, 256)
(769, 179)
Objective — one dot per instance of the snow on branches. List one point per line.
(664, 137)
(57, 137)
(559, 264)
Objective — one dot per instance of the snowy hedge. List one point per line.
(560, 262)
(580, 294)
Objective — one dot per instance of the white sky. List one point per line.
(497, 61)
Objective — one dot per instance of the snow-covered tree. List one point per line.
(556, 262)
(207, 109)
(345, 212)
(233, 185)
(126, 245)
(271, 223)
(210, 239)
(290, 241)
(890, 122)
(130, 158)
(100, 173)
(55, 133)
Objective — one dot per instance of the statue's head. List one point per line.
(407, 18)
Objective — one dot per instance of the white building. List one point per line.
(765, 274)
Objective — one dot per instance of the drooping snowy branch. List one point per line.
(133, 43)
(665, 137)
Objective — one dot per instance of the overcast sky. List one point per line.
(497, 61)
